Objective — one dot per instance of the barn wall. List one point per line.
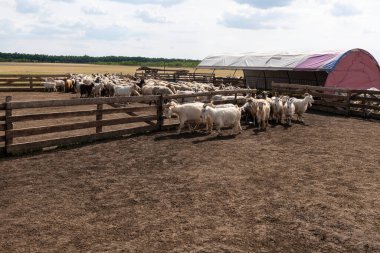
(260, 79)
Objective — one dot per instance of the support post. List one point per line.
(348, 101)
(31, 82)
(365, 105)
(8, 123)
(99, 117)
(160, 110)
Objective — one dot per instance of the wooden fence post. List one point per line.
(236, 98)
(99, 116)
(31, 82)
(364, 104)
(348, 101)
(160, 117)
(8, 123)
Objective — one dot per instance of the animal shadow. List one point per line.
(175, 136)
(216, 138)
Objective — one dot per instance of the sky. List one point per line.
(191, 29)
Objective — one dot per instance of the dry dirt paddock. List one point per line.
(306, 188)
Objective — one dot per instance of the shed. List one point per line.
(355, 69)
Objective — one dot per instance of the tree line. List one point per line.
(108, 60)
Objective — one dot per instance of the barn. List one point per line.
(354, 69)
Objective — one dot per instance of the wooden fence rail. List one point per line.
(25, 130)
(362, 103)
(11, 83)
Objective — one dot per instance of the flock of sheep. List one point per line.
(113, 85)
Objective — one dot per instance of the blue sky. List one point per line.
(187, 28)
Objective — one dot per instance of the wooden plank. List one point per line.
(32, 146)
(327, 109)
(332, 104)
(211, 93)
(75, 126)
(2, 138)
(374, 92)
(21, 89)
(309, 87)
(18, 84)
(368, 99)
(81, 101)
(367, 106)
(3, 126)
(35, 75)
(55, 115)
(325, 95)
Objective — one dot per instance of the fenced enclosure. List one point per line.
(348, 102)
(10, 83)
(34, 125)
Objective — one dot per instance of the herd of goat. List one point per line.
(261, 110)
(194, 110)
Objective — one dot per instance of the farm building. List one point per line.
(355, 69)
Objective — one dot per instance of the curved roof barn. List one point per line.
(356, 68)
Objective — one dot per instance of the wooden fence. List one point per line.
(35, 125)
(11, 83)
(348, 102)
(197, 77)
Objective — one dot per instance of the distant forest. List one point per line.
(104, 60)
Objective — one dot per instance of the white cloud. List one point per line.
(149, 17)
(265, 4)
(186, 28)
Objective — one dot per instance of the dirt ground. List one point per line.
(306, 188)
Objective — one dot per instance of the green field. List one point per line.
(8, 68)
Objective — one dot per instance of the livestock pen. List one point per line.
(25, 83)
(348, 102)
(34, 125)
(304, 188)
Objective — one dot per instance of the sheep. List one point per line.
(86, 90)
(262, 114)
(289, 110)
(50, 86)
(222, 117)
(97, 91)
(69, 85)
(161, 90)
(185, 113)
(187, 99)
(126, 90)
(60, 84)
(301, 105)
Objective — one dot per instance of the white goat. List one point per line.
(289, 110)
(222, 117)
(262, 114)
(186, 112)
(301, 105)
(278, 109)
